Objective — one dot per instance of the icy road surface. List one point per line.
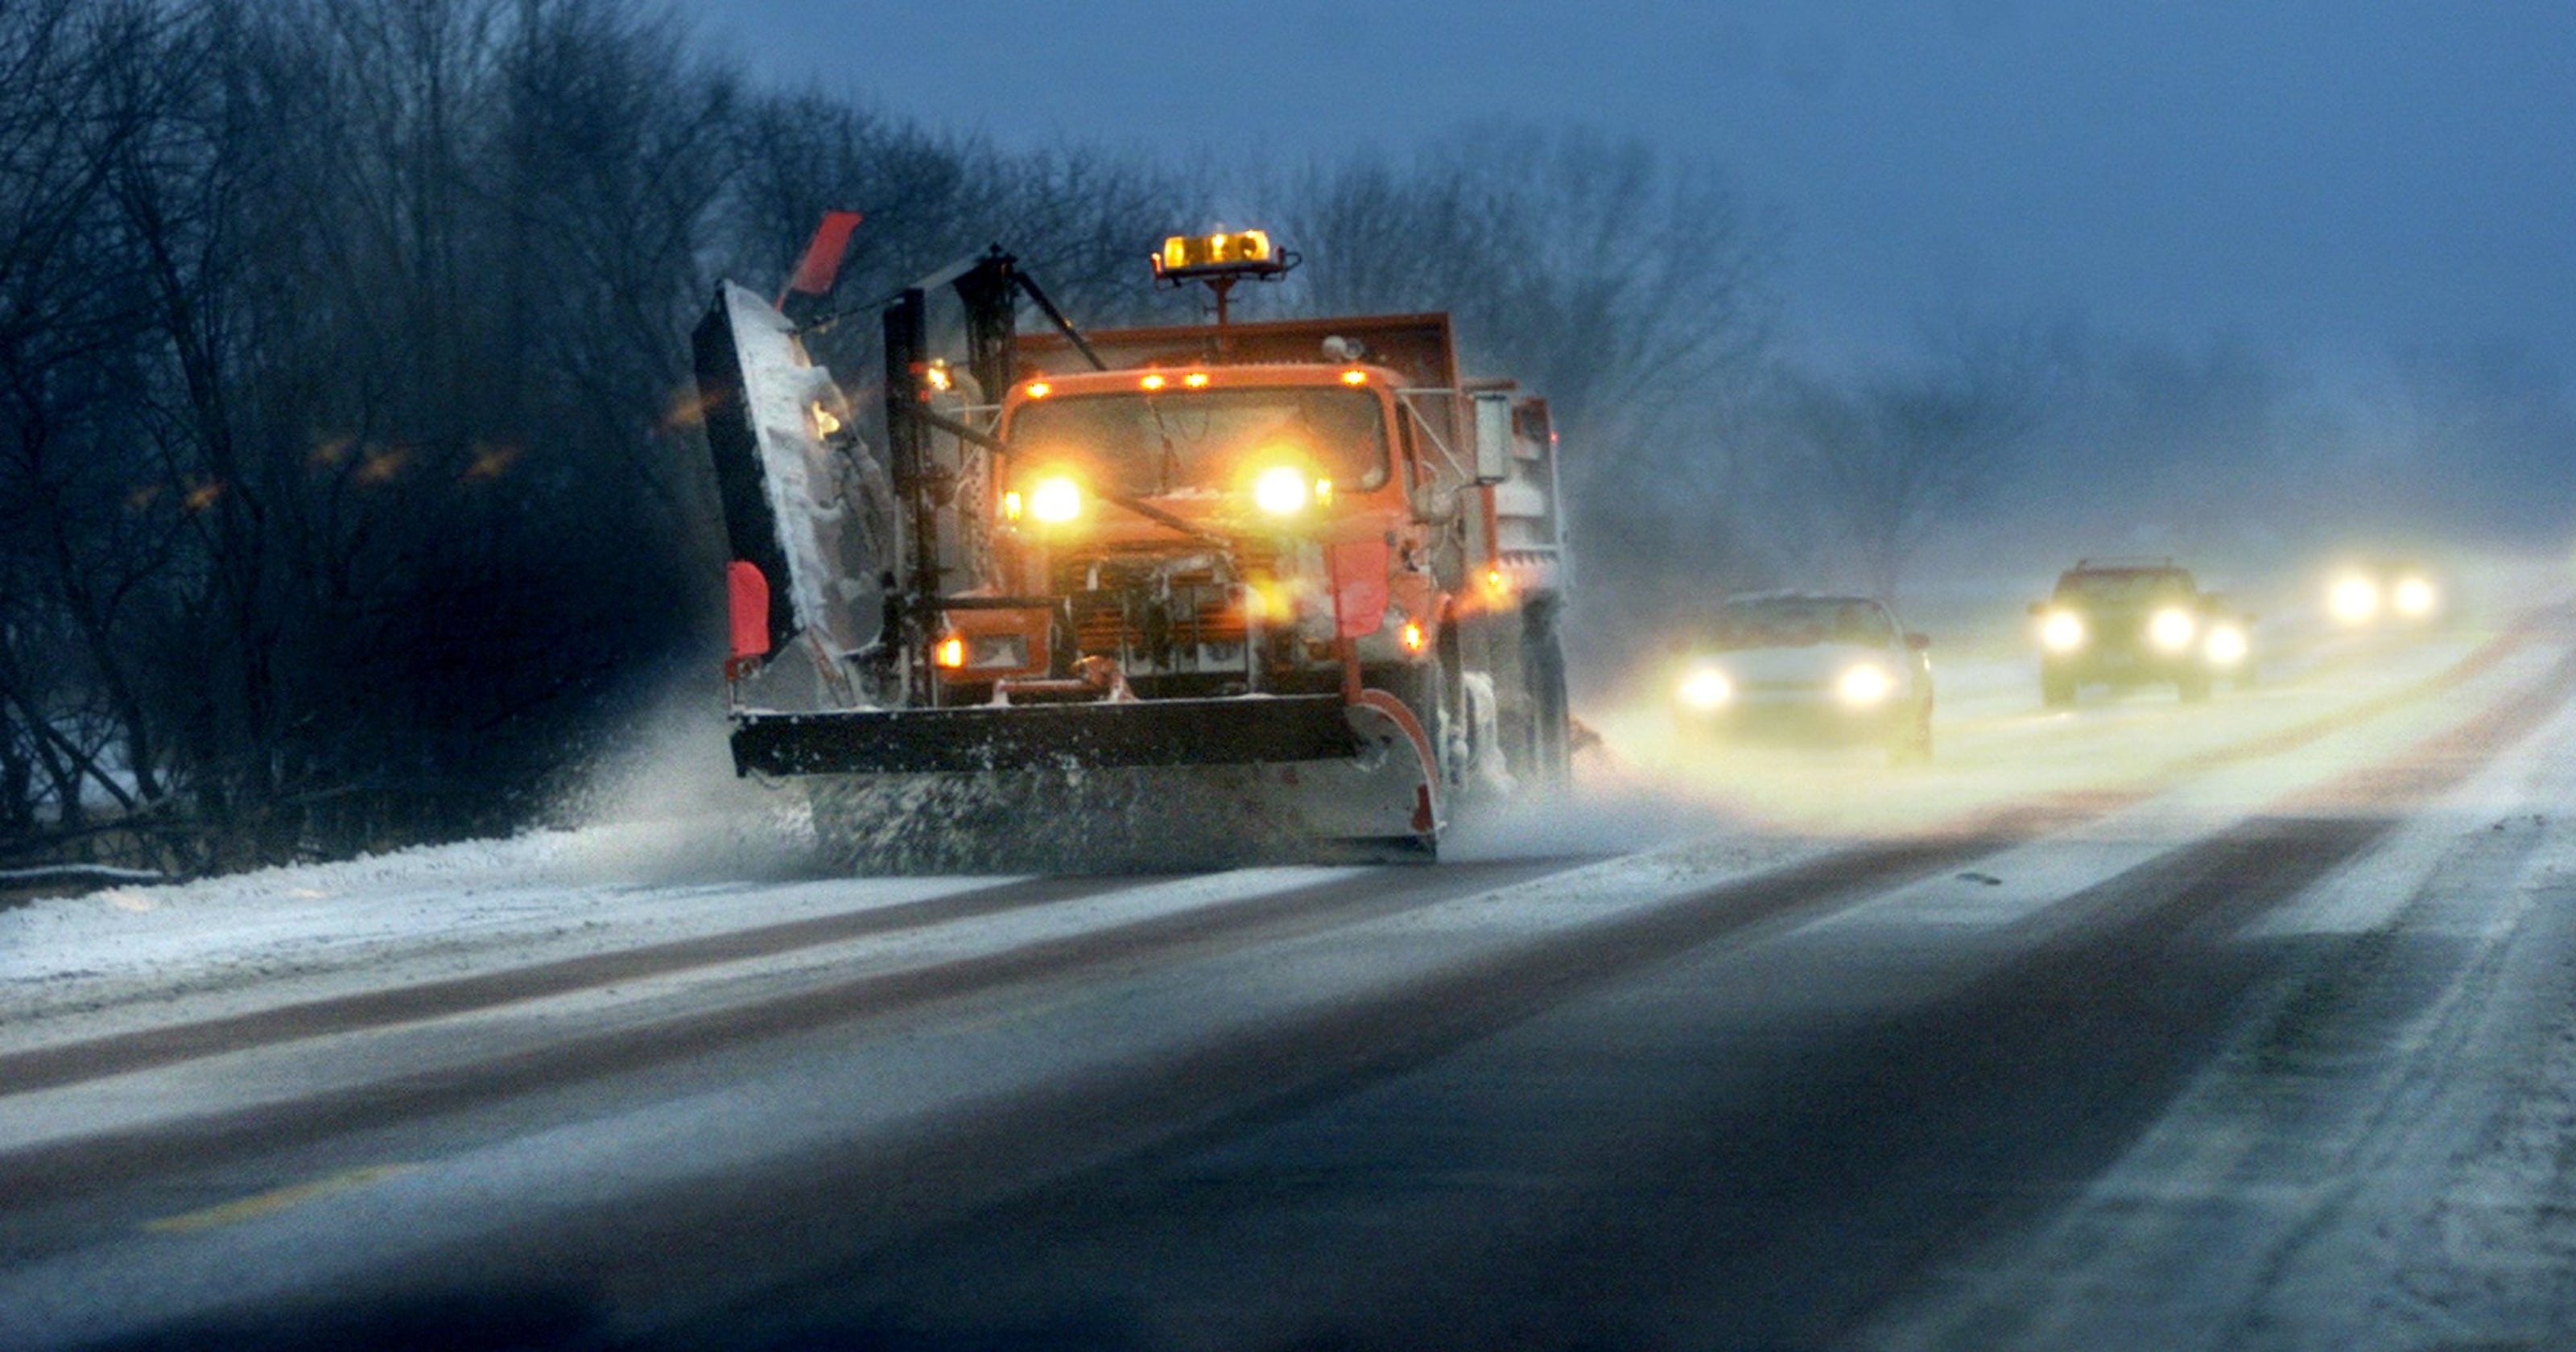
(2248, 1025)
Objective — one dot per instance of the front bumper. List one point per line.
(1797, 720)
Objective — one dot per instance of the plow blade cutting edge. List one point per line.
(1153, 784)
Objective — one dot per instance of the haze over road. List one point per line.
(2132, 1026)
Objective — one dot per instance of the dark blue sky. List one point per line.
(2338, 176)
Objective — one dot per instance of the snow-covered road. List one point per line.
(2244, 1025)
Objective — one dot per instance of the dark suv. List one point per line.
(2124, 622)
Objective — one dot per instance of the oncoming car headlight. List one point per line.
(2226, 645)
(1865, 684)
(2353, 599)
(2413, 598)
(1706, 688)
(2172, 629)
(2062, 631)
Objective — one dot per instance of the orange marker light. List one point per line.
(1354, 377)
(1038, 389)
(1150, 383)
(1496, 583)
(1011, 505)
(951, 653)
(1323, 492)
(1196, 380)
(1412, 636)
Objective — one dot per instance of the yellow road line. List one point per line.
(275, 1200)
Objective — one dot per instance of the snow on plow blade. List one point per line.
(1147, 785)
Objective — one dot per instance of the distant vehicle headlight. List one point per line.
(1706, 688)
(1055, 499)
(1865, 685)
(2353, 599)
(1281, 490)
(2413, 598)
(2062, 631)
(2226, 645)
(2172, 629)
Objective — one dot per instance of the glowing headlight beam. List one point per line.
(2172, 629)
(2413, 598)
(2353, 599)
(1707, 688)
(1055, 500)
(1281, 490)
(2062, 631)
(2226, 645)
(1865, 684)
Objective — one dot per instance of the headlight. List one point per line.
(1865, 684)
(2171, 629)
(2226, 646)
(1055, 499)
(1281, 490)
(2413, 598)
(2062, 631)
(1706, 688)
(2353, 599)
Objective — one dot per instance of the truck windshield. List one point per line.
(1204, 440)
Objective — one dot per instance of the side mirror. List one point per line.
(1918, 642)
(1434, 503)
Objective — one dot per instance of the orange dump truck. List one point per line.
(1184, 595)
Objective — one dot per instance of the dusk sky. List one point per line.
(2332, 175)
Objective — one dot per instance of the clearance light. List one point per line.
(2062, 631)
(1037, 389)
(2353, 599)
(2413, 598)
(2226, 645)
(1151, 383)
(1496, 583)
(1865, 685)
(1354, 377)
(936, 376)
(1706, 688)
(951, 653)
(1412, 636)
(2171, 629)
(1196, 380)
(1281, 490)
(1011, 505)
(1055, 500)
(825, 421)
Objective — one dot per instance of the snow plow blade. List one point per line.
(1150, 785)
(1046, 736)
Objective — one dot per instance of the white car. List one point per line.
(1798, 667)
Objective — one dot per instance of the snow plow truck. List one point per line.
(1132, 598)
